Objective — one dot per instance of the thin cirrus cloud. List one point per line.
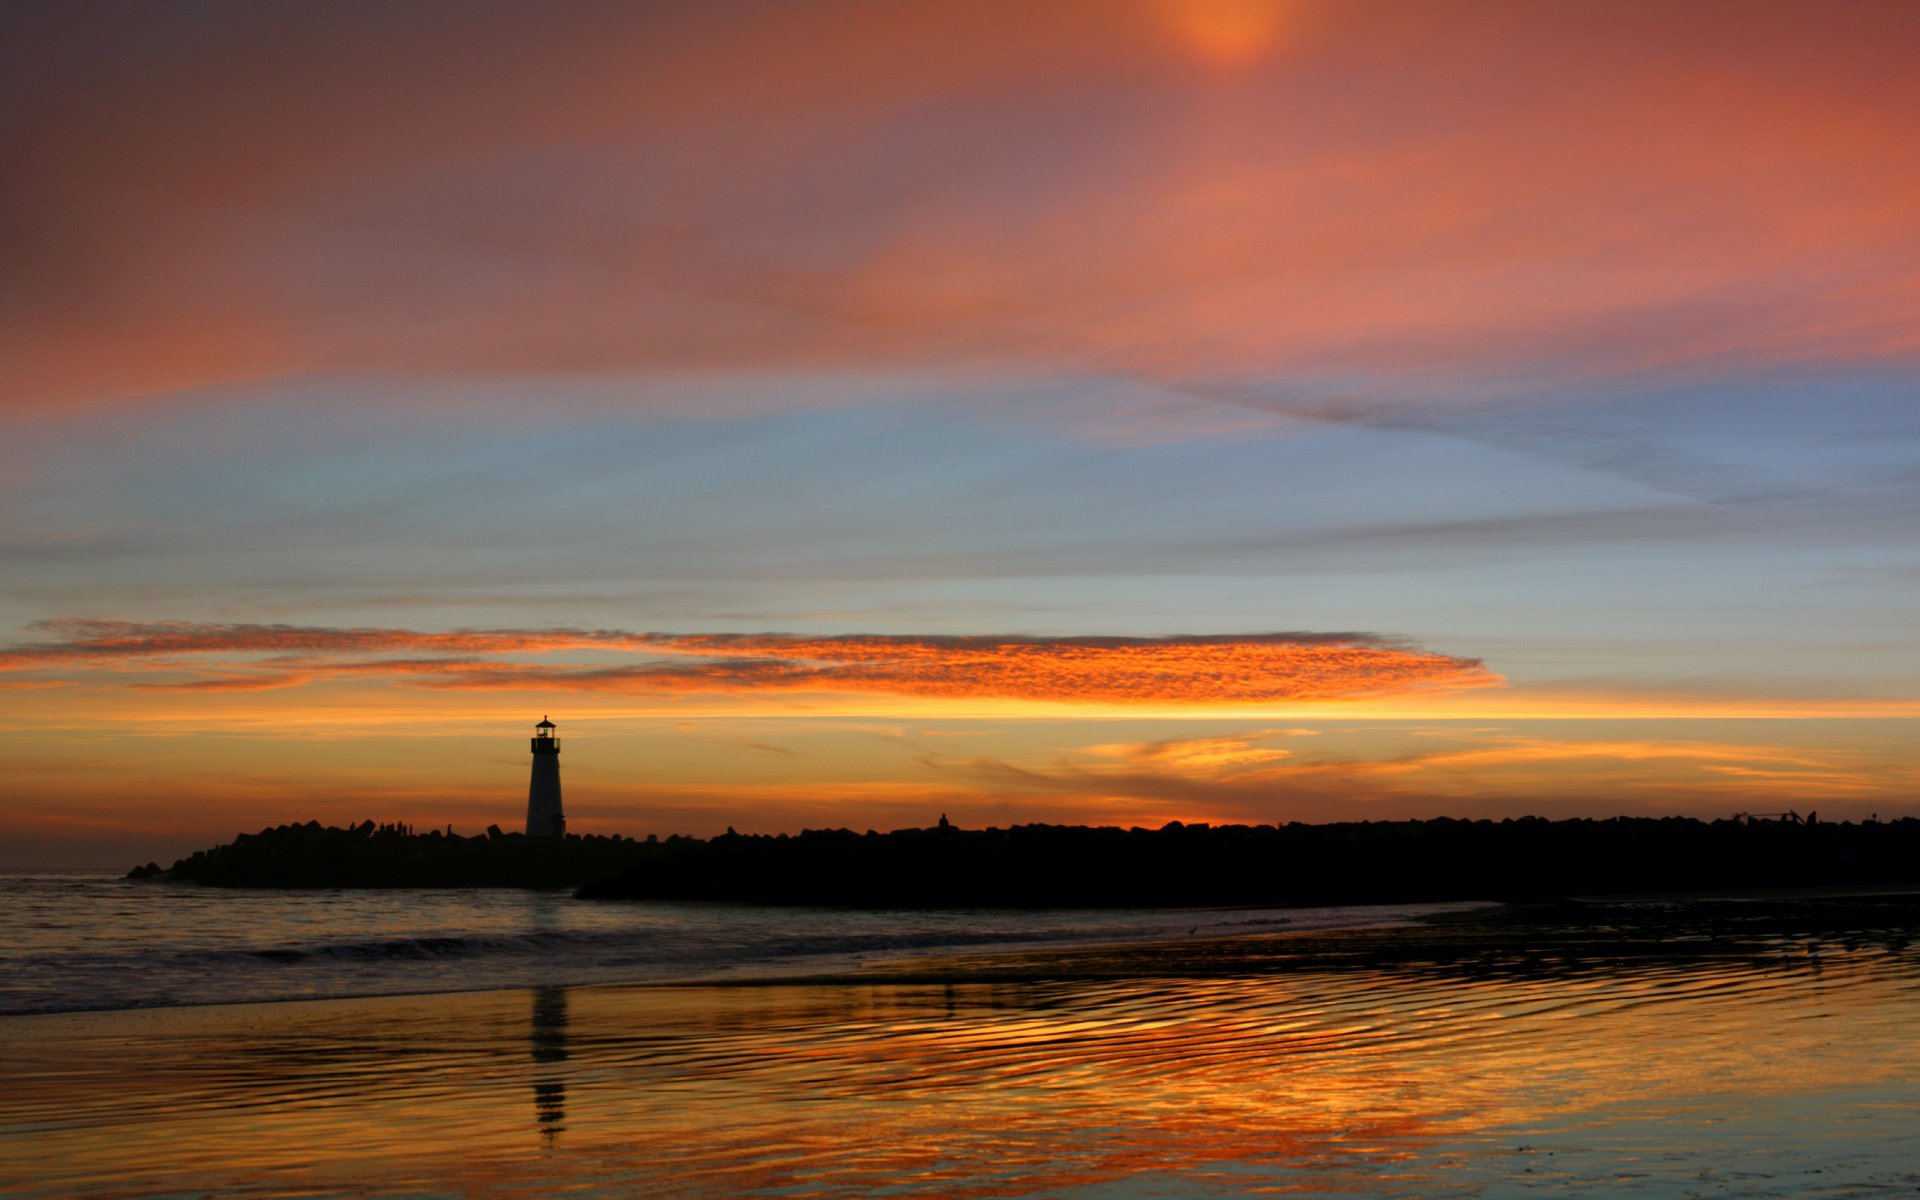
(1214, 669)
(1225, 752)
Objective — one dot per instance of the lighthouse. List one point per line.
(544, 818)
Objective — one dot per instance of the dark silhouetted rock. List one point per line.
(1365, 862)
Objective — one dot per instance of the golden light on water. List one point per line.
(1444, 1079)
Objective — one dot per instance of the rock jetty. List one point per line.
(1363, 862)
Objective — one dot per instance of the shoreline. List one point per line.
(879, 967)
(1460, 932)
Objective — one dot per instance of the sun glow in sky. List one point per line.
(849, 412)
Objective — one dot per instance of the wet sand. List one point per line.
(1662, 1050)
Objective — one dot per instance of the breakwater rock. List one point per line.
(1362, 862)
(386, 856)
(1365, 862)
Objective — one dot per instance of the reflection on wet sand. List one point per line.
(549, 1047)
(1724, 1049)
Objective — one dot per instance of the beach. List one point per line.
(1740, 1052)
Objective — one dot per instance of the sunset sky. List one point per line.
(848, 413)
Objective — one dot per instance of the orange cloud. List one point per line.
(81, 639)
(1217, 669)
(1224, 753)
(1228, 33)
(1427, 188)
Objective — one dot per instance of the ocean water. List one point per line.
(1763, 1049)
(92, 942)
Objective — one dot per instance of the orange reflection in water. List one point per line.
(1210, 1072)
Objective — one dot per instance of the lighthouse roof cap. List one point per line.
(545, 724)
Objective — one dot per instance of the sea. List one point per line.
(88, 942)
(164, 1040)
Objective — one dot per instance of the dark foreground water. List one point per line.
(1682, 1049)
(86, 942)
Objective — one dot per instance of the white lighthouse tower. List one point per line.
(544, 818)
